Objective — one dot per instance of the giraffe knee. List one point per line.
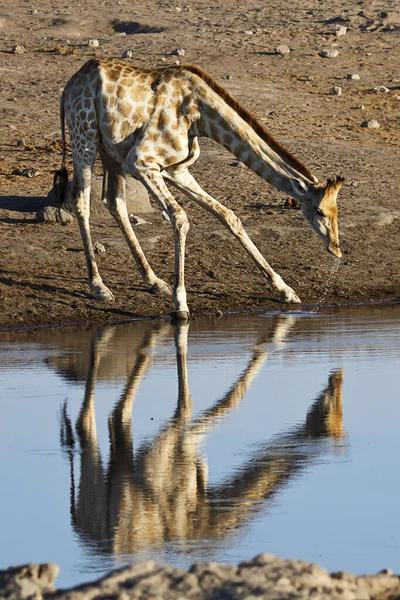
(234, 223)
(180, 220)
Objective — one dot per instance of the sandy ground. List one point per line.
(42, 267)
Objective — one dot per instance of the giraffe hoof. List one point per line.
(161, 288)
(180, 315)
(105, 296)
(289, 297)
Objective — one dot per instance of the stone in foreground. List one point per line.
(266, 576)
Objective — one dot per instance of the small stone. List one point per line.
(52, 214)
(93, 43)
(381, 88)
(127, 54)
(371, 124)
(229, 77)
(353, 76)
(99, 248)
(178, 9)
(29, 172)
(163, 59)
(336, 90)
(135, 220)
(18, 49)
(329, 53)
(282, 50)
(386, 572)
(179, 52)
(177, 63)
(248, 31)
(211, 274)
(34, 11)
(340, 30)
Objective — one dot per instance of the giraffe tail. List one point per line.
(60, 180)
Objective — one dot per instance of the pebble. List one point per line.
(177, 63)
(93, 43)
(282, 50)
(51, 214)
(248, 31)
(371, 124)
(329, 53)
(179, 52)
(340, 30)
(18, 49)
(353, 76)
(135, 220)
(336, 90)
(127, 54)
(26, 172)
(229, 76)
(381, 88)
(99, 248)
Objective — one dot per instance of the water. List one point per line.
(217, 441)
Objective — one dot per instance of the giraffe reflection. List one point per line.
(160, 493)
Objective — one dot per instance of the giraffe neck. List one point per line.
(221, 123)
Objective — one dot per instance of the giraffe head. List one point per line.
(320, 209)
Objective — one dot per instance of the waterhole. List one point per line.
(216, 440)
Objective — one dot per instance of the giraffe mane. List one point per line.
(250, 120)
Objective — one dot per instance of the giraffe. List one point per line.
(146, 123)
(160, 491)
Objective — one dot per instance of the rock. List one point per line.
(266, 576)
(353, 76)
(381, 88)
(329, 53)
(135, 220)
(93, 43)
(52, 214)
(127, 54)
(137, 198)
(18, 49)
(247, 31)
(340, 30)
(179, 52)
(336, 90)
(229, 76)
(371, 124)
(382, 220)
(25, 172)
(99, 248)
(282, 50)
(177, 63)
(28, 581)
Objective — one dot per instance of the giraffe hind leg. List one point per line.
(80, 201)
(114, 192)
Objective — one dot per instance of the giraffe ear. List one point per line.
(298, 187)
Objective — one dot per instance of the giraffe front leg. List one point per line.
(185, 182)
(150, 175)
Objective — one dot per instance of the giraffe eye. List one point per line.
(319, 212)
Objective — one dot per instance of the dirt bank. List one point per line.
(42, 267)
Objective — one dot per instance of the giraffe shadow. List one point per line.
(22, 204)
